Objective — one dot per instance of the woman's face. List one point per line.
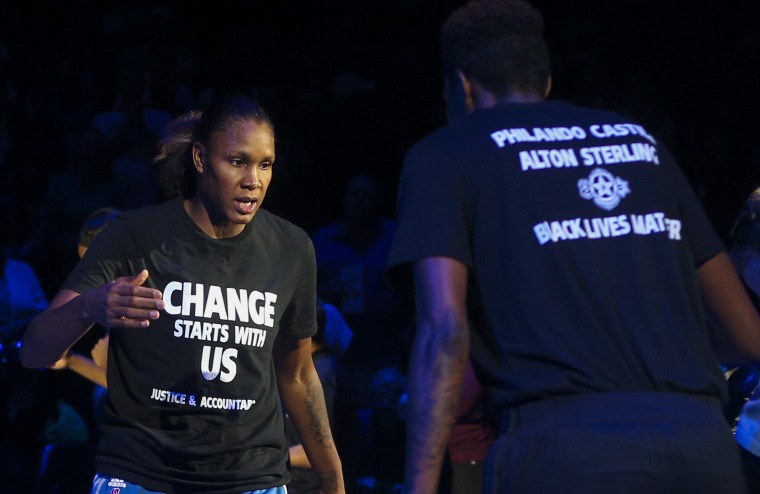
(235, 169)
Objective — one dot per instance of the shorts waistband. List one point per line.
(611, 408)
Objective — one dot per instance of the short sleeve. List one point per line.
(703, 241)
(105, 260)
(300, 317)
(433, 217)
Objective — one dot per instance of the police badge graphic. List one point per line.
(604, 188)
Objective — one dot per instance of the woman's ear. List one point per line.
(199, 152)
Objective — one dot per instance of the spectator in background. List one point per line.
(133, 169)
(338, 334)
(85, 185)
(24, 407)
(351, 254)
(21, 300)
(381, 434)
(21, 297)
(93, 367)
(93, 225)
(745, 253)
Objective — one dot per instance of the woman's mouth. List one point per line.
(246, 206)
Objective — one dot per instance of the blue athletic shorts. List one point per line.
(108, 485)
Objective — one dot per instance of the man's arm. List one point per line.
(83, 366)
(730, 309)
(301, 393)
(123, 303)
(99, 353)
(438, 361)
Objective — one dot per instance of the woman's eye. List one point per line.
(265, 165)
(237, 162)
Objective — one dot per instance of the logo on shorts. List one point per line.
(604, 188)
(116, 483)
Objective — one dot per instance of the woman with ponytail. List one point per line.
(210, 301)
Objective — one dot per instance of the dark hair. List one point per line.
(95, 223)
(499, 43)
(746, 228)
(176, 173)
(745, 231)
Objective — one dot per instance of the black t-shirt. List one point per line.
(193, 403)
(581, 236)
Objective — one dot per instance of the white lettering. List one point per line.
(226, 403)
(250, 336)
(233, 305)
(537, 134)
(189, 298)
(543, 232)
(169, 305)
(237, 301)
(205, 331)
(215, 303)
(547, 158)
(578, 228)
(674, 229)
(647, 224)
(222, 357)
(626, 153)
(168, 396)
(620, 130)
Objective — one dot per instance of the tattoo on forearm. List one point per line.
(436, 394)
(315, 405)
(329, 481)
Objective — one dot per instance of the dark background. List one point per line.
(352, 84)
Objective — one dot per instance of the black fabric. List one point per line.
(582, 237)
(193, 404)
(626, 443)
